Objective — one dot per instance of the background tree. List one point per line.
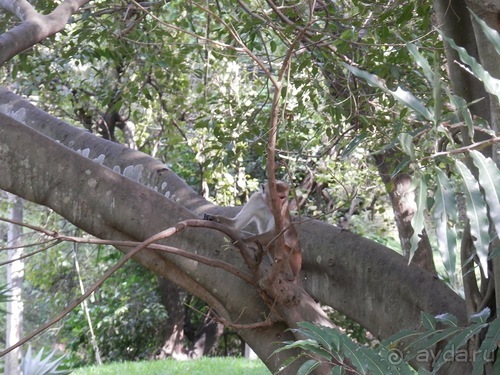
(15, 278)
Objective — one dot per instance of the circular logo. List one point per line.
(395, 356)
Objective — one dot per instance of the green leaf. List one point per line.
(421, 61)
(490, 33)
(476, 213)
(437, 88)
(403, 335)
(489, 178)
(491, 85)
(308, 367)
(486, 352)
(417, 221)
(428, 320)
(402, 96)
(428, 340)
(321, 334)
(407, 144)
(445, 211)
(455, 343)
(463, 112)
(338, 370)
(394, 362)
(447, 319)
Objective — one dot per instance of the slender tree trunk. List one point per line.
(181, 342)
(172, 297)
(15, 276)
(403, 204)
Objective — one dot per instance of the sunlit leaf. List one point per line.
(491, 85)
(447, 319)
(476, 213)
(404, 97)
(482, 316)
(445, 214)
(421, 61)
(492, 35)
(489, 178)
(417, 222)
(407, 144)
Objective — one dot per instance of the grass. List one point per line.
(203, 366)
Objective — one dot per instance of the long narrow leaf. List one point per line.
(402, 96)
(463, 112)
(489, 178)
(457, 342)
(417, 222)
(407, 144)
(491, 85)
(308, 367)
(445, 211)
(476, 213)
(490, 33)
(321, 334)
(421, 61)
(403, 335)
(488, 347)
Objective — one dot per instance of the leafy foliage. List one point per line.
(128, 319)
(443, 328)
(327, 345)
(480, 192)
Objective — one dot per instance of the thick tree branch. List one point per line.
(34, 27)
(110, 206)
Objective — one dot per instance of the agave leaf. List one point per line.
(39, 366)
(476, 213)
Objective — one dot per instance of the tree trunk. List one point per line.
(404, 207)
(15, 277)
(172, 297)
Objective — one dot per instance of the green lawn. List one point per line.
(203, 366)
